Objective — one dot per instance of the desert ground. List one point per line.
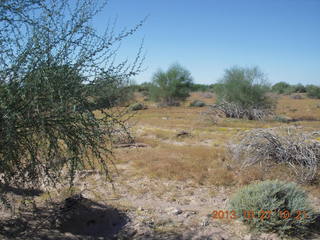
(166, 184)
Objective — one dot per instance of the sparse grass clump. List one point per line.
(270, 202)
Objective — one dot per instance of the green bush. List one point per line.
(277, 197)
(242, 93)
(282, 88)
(299, 88)
(246, 87)
(47, 127)
(144, 88)
(171, 86)
(197, 103)
(137, 107)
(286, 88)
(313, 91)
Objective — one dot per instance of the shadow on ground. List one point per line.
(29, 192)
(315, 227)
(77, 218)
(74, 218)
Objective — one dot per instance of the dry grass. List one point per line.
(304, 109)
(200, 164)
(202, 157)
(262, 173)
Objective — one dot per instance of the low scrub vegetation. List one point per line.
(299, 150)
(274, 206)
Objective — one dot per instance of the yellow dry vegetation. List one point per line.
(202, 157)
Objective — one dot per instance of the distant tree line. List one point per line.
(312, 91)
(149, 89)
(241, 93)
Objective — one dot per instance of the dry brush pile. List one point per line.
(233, 110)
(285, 145)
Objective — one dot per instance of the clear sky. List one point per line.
(282, 37)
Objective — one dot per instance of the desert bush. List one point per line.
(50, 54)
(268, 201)
(137, 107)
(144, 88)
(171, 86)
(282, 88)
(299, 88)
(313, 91)
(299, 150)
(286, 88)
(242, 93)
(197, 103)
(109, 91)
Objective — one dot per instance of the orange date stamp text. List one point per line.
(261, 214)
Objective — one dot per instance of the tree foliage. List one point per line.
(242, 93)
(50, 54)
(109, 91)
(281, 87)
(286, 88)
(246, 87)
(313, 91)
(171, 86)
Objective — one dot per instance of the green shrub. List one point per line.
(137, 107)
(109, 91)
(47, 128)
(242, 93)
(171, 86)
(144, 88)
(282, 88)
(299, 88)
(277, 197)
(313, 91)
(286, 88)
(197, 103)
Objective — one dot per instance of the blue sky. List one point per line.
(282, 37)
